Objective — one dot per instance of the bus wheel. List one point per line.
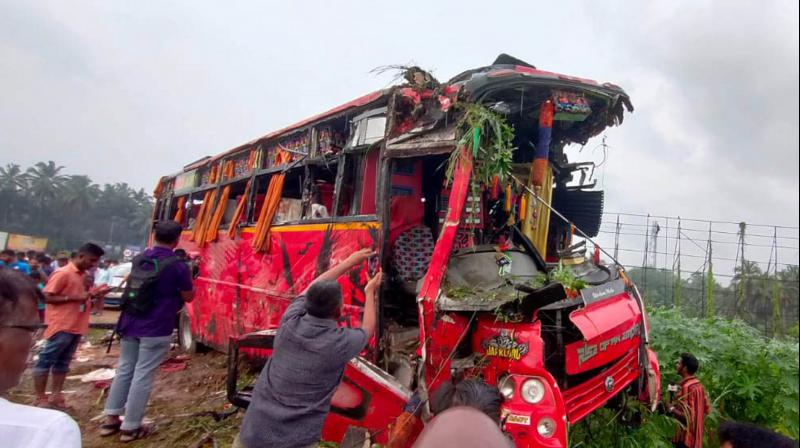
(186, 339)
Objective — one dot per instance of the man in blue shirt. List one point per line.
(293, 394)
(22, 264)
(9, 259)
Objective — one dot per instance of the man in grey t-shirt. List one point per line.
(293, 394)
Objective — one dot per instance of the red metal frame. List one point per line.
(437, 363)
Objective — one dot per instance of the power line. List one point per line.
(610, 232)
(640, 251)
(704, 231)
(764, 276)
(771, 226)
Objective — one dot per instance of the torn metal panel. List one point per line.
(422, 141)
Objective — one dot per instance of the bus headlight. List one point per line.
(532, 391)
(546, 427)
(507, 386)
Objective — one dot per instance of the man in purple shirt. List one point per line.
(146, 339)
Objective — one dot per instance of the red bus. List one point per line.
(482, 225)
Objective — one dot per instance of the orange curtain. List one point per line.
(261, 240)
(252, 161)
(205, 210)
(159, 188)
(216, 217)
(216, 210)
(237, 215)
(179, 213)
(203, 216)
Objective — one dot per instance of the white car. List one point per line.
(116, 277)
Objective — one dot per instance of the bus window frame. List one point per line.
(173, 202)
(333, 218)
(360, 157)
(304, 163)
(245, 179)
(198, 192)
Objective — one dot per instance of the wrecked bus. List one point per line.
(481, 223)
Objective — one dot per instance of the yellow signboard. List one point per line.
(26, 242)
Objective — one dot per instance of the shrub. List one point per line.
(748, 378)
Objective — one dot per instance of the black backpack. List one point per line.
(139, 297)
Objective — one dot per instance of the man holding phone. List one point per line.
(68, 304)
(293, 394)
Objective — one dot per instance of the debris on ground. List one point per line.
(98, 375)
(188, 403)
(175, 364)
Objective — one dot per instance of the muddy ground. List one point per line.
(186, 386)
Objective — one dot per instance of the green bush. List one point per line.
(748, 378)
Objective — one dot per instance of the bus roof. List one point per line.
(470, 80)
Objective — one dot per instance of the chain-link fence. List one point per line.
(707, 267)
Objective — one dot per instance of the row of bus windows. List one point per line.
(308, 194)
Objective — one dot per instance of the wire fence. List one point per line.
(710, 267)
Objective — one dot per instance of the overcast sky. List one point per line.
(128, 91)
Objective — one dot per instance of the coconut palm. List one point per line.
(45, 182)
(12, 182)
(12, 178)
(77, 199)
(80, 193)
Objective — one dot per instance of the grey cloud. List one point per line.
(131, 91)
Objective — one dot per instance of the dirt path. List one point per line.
(197, 385)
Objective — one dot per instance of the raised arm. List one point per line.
(369, 322)
(342, 268)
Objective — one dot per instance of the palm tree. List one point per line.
(12, 178)
(80, 193)
(748, 282)
(12, 182)
(78, 199)
(143, 213)
(44, 183)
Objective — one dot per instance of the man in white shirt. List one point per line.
(20, 425)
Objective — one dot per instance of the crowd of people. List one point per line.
(39, 266)
(292, 396)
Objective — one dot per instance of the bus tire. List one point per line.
(186, 339)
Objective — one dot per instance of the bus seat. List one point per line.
(411, 255)
(405, 212)
(288, 210)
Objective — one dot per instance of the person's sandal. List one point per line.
(42, 403)
(129, 435)
(109, 429)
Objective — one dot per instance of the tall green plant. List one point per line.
(710, 290)
(777, 318)
(748, 378)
